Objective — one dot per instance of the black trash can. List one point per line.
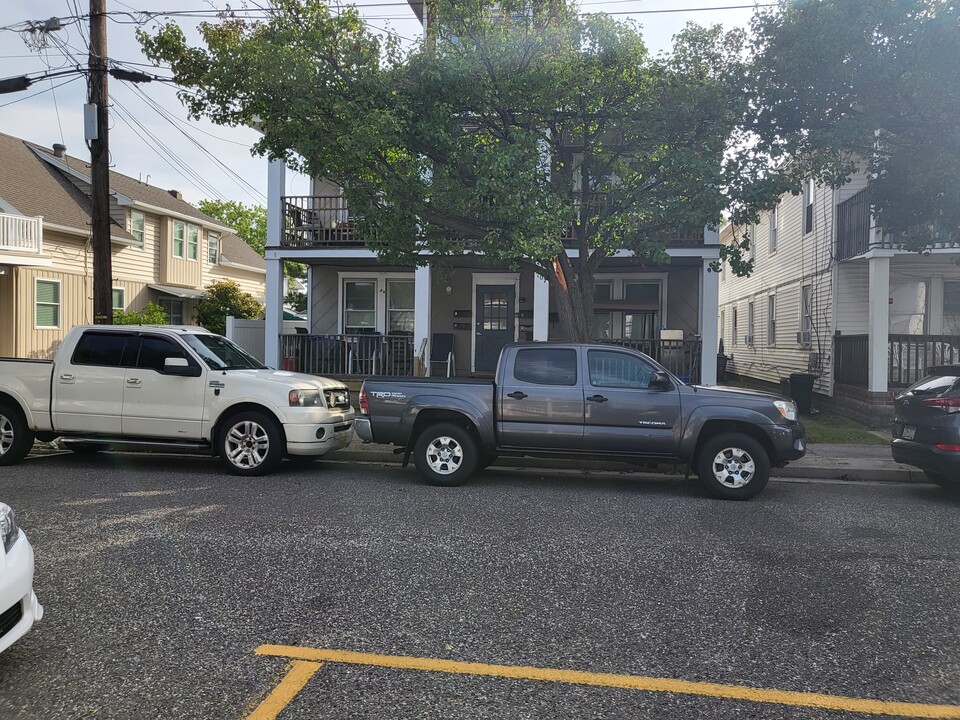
(721, 367)
(785, 387)
(801, 390)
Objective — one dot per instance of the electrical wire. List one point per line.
(33, 95)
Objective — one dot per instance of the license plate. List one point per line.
(908, 432)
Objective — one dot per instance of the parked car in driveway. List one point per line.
(175, 388)
(582, 400)
(926, 426)
(19, 608)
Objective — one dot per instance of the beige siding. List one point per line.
(249, 281)
(136, 264)
(76, 307)
(7, 316)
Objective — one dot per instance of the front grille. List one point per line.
(337, 398)
(9, 618)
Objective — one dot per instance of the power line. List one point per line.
(50, 89)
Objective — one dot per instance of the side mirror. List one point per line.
(661, 381)
(180, 366)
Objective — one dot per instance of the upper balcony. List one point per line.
(856, 233)
(312, 221)
(21, 235)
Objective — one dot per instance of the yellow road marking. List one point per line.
(292, 683)
(626, 682)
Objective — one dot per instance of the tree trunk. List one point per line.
(573, 294)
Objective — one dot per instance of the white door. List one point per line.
(88, 386)
(158, 405)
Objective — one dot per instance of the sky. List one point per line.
(152, 139)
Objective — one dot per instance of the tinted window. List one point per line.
(546, 366)
(618, 370)
(154, 350)
(99, 348)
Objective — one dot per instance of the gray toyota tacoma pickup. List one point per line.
(581, 400)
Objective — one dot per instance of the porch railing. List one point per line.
(317, 221)
(856, 234)
(21, 234)
(359, 354)
(681, 357)
(909, 357)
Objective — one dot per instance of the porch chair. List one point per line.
(441, 354)
(365, 354)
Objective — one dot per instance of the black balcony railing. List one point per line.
(317, 221)
(355, 354)
(854, 221)
(909, 357)
(681, 357)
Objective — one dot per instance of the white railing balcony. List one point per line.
(21, 235)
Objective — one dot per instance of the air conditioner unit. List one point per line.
(803, 337)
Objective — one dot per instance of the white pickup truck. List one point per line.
(174, 387)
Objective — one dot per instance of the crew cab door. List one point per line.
(158, 405)
(541, 401)
(622, 413)
(88, 385)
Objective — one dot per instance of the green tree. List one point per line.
(249, 222)
(841, 86)
(151, 315)
(225, 298)
(501, 132)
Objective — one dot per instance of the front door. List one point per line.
(495, 322)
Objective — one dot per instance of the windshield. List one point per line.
(221, 354)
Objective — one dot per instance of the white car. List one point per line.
(19, 607)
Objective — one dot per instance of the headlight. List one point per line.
(787, 409)
(9, 531)
(305, 398)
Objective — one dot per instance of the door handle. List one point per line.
(66, 378)
(597, 398)
(517, 395)
(133, 381)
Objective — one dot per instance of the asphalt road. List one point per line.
(161, 576)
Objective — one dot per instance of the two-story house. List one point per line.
(834, 295)
(164, 250)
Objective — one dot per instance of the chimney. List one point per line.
(176, 193)
(59, 150)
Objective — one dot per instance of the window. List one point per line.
(808, 194)
(735, 340)
(360, 306)
(806, 324)
(193, 242)
(602, 319)
(173, 309)
(627, 309)
(774, 220)
(103, 348)
(546, 366)
(155, 350)
(754, 232)
(750, 319)
(400, 307)
(772, 320)
(47, 303)
(951, 297)
(137, 227)
(213, 248)
(179, 237)
(118, 299)
(618, 370)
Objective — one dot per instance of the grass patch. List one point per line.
(830, 429)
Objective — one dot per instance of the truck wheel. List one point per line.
(251, 443)
(733, 466)
(16, 438)
(445, 455)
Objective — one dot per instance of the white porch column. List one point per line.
(878, 323)
(421, 313)
(709, 336)
(541, 308)
(935, 303)
(273, 310)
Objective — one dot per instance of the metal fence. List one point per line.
(909, 357)
(360, 354)
(681, 357)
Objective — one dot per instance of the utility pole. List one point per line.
(100, 166)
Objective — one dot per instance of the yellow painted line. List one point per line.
(292, 683)
(625, 682)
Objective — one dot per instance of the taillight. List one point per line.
(947, 404)
(948, 448)
(364, 407)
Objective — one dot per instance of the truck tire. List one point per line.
(251, 443)
(445, 455)
(733, 466)
(16, 439)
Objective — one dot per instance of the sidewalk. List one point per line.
(822, 462)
